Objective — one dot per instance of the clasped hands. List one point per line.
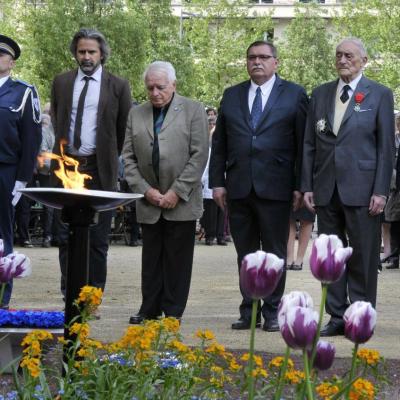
(168, 200)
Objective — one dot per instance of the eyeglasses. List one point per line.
(262, 57)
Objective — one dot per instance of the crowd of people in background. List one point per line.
(271, 166)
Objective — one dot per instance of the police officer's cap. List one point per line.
(9, 46)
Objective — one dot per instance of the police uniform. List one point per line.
(20, 138)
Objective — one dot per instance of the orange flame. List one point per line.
(71, 179)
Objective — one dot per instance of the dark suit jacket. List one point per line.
(114, 105)
(267, 159)
(360, 159)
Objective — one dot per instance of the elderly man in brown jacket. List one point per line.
(165, 152)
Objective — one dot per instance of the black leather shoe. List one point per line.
(393, 265)
(136, 319)
(27, 243)
(46, 242)
(297, 267)
(242, 324)
(221, 242)
(332, 329)
(209, 242)
(271, 325)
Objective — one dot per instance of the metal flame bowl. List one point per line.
(99, 200)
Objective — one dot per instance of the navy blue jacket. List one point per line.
(20, 130)
(267, 159)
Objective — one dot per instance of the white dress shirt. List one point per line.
(3, 80)
(265, 91)
(89, 118)
(353, 84)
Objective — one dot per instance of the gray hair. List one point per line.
(357, 42)
(86, 33)
(164, 67)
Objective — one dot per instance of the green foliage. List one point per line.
(206, 43)
(306, 53)
(47, 30)
(219, 33)
(377, 24)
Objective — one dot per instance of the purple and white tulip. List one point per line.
(360, 321)
(260, 273)
(328, 258)
(298, 326)
(324, 356)
(292, 299)
(15, 265)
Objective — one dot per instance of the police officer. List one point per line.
(20, 138)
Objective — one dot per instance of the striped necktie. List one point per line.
(156, 152)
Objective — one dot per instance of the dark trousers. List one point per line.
(8, 173)
(22, 218)
(213, 220)
(260, 224)
(98, 235)
(47, 216)
(354, 226)
(167, 259)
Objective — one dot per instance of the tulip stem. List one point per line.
(282, 374)
(309, 389)
(352, 370)
(250, 377)
(2, 289)
(321, 315)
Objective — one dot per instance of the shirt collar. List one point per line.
(3, 80)
(353, 84)
(265, 86)
(96, 76)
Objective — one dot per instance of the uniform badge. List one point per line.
(358, 98)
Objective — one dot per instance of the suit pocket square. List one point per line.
(369, 109)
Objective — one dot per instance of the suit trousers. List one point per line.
(167, 260)
(213, 220)
(354, 226)
(98, 238)
(8, 173)
(260, 224)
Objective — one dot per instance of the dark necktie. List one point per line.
(156, 152)
(79, 113)
(345, 95)
(256, 109)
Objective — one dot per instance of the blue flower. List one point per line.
(32, 318)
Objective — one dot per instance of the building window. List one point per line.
(309, 1)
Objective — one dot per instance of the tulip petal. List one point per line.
(324, 355)
(360, 322)
(328, 258)
(260, 273)
(300, 327)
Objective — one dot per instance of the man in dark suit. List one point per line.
(254, 166)
(89, 109)
(347, 167)
(19, 145)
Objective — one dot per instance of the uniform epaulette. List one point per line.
(23, 83)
